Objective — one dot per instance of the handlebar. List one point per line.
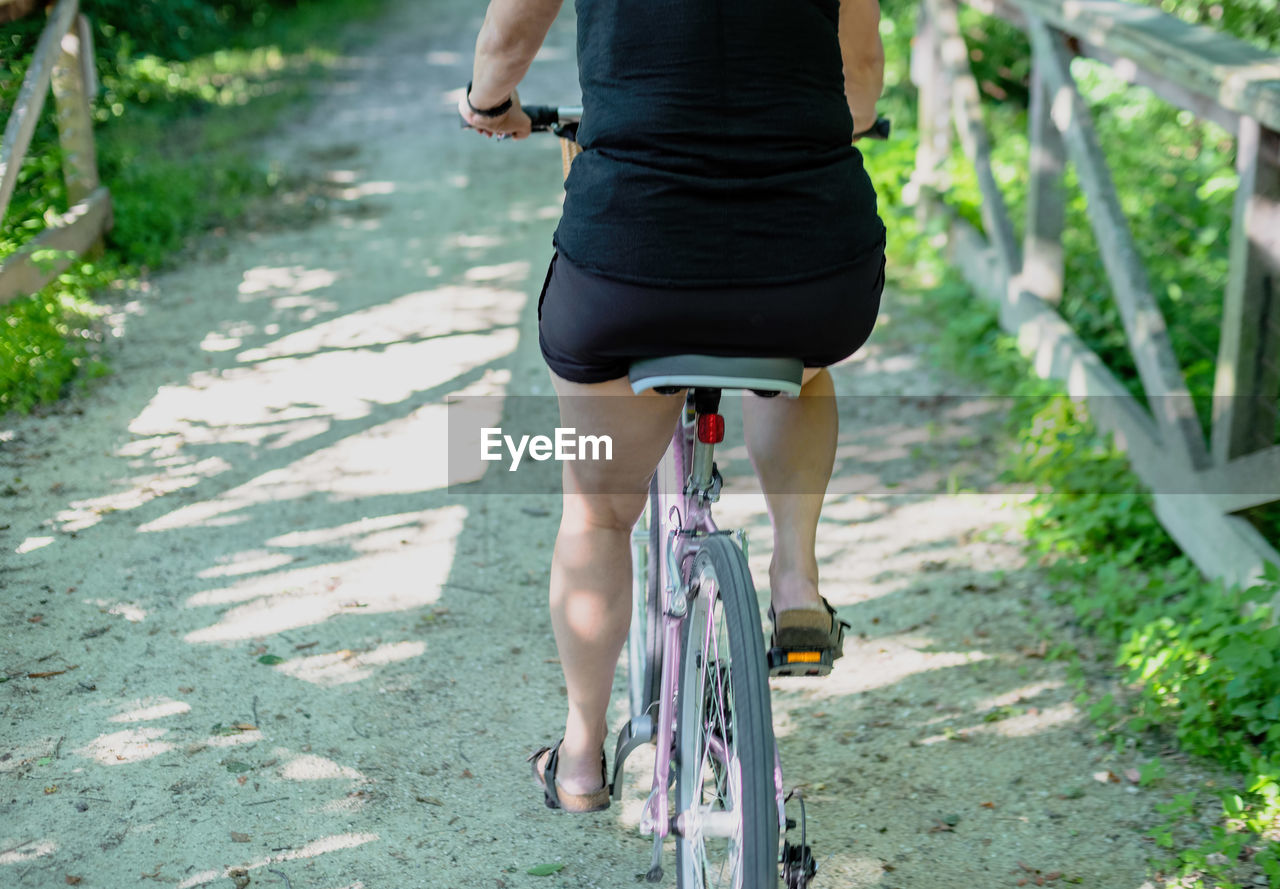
(550, 118)
(878, 130)
(563, 120)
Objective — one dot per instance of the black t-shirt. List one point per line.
(716, 141)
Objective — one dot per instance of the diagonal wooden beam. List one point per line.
(1145, 328)
(74, 232)
(1248, 481)
(1239, 76)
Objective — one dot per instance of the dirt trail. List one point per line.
(263, 477)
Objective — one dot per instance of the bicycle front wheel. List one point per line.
(727, 821)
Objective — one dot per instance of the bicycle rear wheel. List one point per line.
(726, 799)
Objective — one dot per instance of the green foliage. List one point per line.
(1200, 658)
(186, 86)
(1151, 773)
(43, 340)
(1179, 214)
(148, 228)
(1177, 217)
(1252, 20)
(170, 29)
(1200, 654)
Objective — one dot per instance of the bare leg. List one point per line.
(591, 564)
(792, 443)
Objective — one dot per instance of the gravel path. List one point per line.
(247, 625)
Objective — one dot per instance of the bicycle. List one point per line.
(697, 664)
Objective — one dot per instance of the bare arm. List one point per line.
(863, 56)
(510, 37)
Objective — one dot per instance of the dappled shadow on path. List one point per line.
(945, 748)
(229, 560)
(250, 626)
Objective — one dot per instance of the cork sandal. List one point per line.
(805, 642)
(545, 760)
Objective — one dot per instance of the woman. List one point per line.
(718, 207)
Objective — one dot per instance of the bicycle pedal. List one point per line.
(800, 662)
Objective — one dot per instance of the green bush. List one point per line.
(45, 340)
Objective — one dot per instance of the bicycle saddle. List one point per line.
(717, 372)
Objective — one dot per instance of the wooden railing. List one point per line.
(1198, 482)
(64, 61)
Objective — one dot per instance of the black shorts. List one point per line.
(592, 328)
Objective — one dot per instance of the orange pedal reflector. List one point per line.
(804, 657)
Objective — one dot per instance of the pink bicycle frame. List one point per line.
(692, 458)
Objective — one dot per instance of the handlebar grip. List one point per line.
(544, 117)
(878, 130)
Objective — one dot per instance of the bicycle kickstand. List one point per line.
(654, 874)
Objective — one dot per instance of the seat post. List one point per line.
(706, 400)
(702, 474)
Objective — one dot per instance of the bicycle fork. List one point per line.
(639, 729)
(656, 817)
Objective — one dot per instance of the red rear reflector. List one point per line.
(710, 428)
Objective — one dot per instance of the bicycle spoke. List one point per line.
(718, 810)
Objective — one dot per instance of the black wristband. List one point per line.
(495, 111)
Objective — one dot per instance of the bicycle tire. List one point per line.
(644, 637)
(725, 602)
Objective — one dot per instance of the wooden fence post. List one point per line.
(928, 180)
(74, 119)
(1246, 387)
(966, 111)
(1042, 261)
